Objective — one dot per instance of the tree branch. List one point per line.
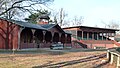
(2, 30)
(17, 2)
(2, 36)
(2, 3)
(12, 29)
(12, 7)
(31, 4)
(23, 9)
(16, 5)
(10, 24)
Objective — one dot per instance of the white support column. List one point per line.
(33, 31)
(19, 32)
(34, 38)
(65, 38)
(102, 35)
(106, 36)
(52, 36)
(82, 35)
(97, 36)
(44, 32)
(92, 35)
(60, 36)
(87, 35)
(76, 34)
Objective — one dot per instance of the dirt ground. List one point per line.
(53, 59)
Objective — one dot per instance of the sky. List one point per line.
(95, 12)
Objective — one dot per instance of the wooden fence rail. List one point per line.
(114, 57)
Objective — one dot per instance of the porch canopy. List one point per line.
(91, 33)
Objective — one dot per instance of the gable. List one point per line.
(57, 28)
(71, 28)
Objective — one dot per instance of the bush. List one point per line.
(118, 49)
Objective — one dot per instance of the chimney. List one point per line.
(44, 19)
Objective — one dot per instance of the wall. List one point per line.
(8, 31)
(100, 45)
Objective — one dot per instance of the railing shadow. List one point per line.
(67, 63)
(100, 65)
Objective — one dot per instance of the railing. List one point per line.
(114, 57)
(81, 44)
(116, 43)
(85, 38)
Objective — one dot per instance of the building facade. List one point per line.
(92, 37)
(23, 35)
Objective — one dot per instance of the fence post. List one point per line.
(108, 54)
(118, 62)
(111, 61)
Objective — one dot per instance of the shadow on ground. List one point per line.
(100, 65)
(55, 52)
(67, 63)
(48, 51)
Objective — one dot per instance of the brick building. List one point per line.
(92, 37)
(22, 35)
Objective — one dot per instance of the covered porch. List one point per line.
(38, 38)
(96, 37)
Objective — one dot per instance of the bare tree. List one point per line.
(59, 16)
(96, 25)
(62, 16)
(112, 24)
(55, 19)
(77, 20)
(6, 30)
(66, 23)
(10, 8)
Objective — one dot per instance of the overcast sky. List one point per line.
(93, 11)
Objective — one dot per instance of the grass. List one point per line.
(46, 59)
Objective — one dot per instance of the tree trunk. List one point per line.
(7, 41)
(7, 37)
